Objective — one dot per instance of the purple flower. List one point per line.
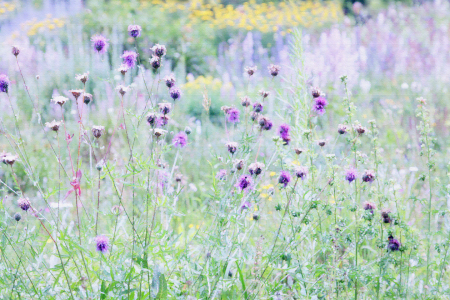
(155, 62)
(222, 174)
(256, 168)
(152, 119)
(369, 206)
(245, 205)
(244, 182)
(393, 244)
(319, 105)
(180, 140)
(159, 50)
(301, 172)
(350, 175)
(24, 204)
(284, 178)
(368, 176)
(258, 107)
(385, 215)
(274, 70)
(175, 93)
(265, 123)
(4, 83)
(163, 120)
(165, 108)
(232, 147)
(170, 81)
(233, 115)
(129, 58)
(284, 133)
(100, 43)
(102, 243)
(134, 30)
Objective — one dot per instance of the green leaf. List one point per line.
(241, 278)
(162, 293)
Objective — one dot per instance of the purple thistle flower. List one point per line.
(393, 244)
(256, 168)
(258, 107)
(4, 83)
(24, 204)
(165, 108)
(159, 50)
(245, 205)
(284, 133)
(222, 174)
(368, 176)
(244, 182)
(180, 140)
(265, 123)
(301, 172)
(274, 70)
(134, 30)
(284, 178)
(170, 81)
(369, 206)
(163, 120)
(102, 243)
(233, 115)
(100, 43)
(319, 105)
(350, 175)
(385, 215)
(129, 58)
(175, 93)
(155, 62)
(232, 147)
(152, 119)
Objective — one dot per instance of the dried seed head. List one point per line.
(232, 147)
(76, 93)
(187, 130)
(159, 50)
(83, 77)
(54, 125)
(155, 62)
(87, 98)
(123, 69)
(97, 131)
(17, 217)
(152, 119)
(251, 70)
(99, 165)
(60, 100)
(254, 115)
(245, 101)
(315, 92)
(158, 132)
(256, 168)
(15, 51)
(8, 158)
(321, 143)
(299, 151)
(225, 109)
(122, 89)
(170, 81)
(342, 129)
(178, 177)
(274, 70)
(238, 164)
(264, 94)
(360, 129)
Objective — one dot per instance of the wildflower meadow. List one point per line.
(214, 150)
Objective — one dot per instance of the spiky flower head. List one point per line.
(342, 129)
(385, 215)
(393, 244)
(251, 70)
(152, 119)
(163, 120)
(265, 123)
(54, 125)
(368, 176)
(232, 147)
(134, 30)
(350, 175)
(24, 204)
(102, 243)
(284, 178)
(283, 131)
(301, 172)
(123, 69)
(315, 92)
(244, 183)
(165, 107)
(4, 83)
(159, 50)
(15, 51)
(256, 168)
(180, 140)
(264, 93)
(222, 174)
(169, 80)
(155, 62)
(122, 89)
(274, 70)
(175, 93)
(258, 107)
(233, 115)
(8, 158)
(60, 100)
(87, 98)
(370, 206)
(129, 58)
(100, 43)
(83, 77)
(76, 93)
(97, 131)
(245, 101)
(319, 105)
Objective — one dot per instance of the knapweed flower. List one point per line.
(264, 93)
(163, 120)
(8, 158)
(233, 115)
(123, 69)
(244, 183)
(244, 205)
(315, 92)
(179, 140)
(54, 125)
(170, 81)
(175, 93)
(301, 172)
(370, 206)
(100, 43)
(129, 58)
(4, 83)
(274, 70)
(350, 175)
(251, 70)
(165, 107)
(321, 143)
(284, 133)
(187, 130)
(178, 177)
(102, 243)
(122, 89)
(158, 132)
(17, 217)
(134, 30)
(76, 93)
(82, 77)
(222, 174)
(245, 101)
(319, 105)
(15, 51)
(342, 129)
(360, 129)
(159, 50)
(385, 215)
(24, 203)
(254, 115)
(258, 107)
(256, 168)
(232, 147)
(265, 123)
(368, 176)
(152, 119)
(97, 131)
(238, 164)
(155, 62)
(87, 98)
(284, 178)
(393, 244)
